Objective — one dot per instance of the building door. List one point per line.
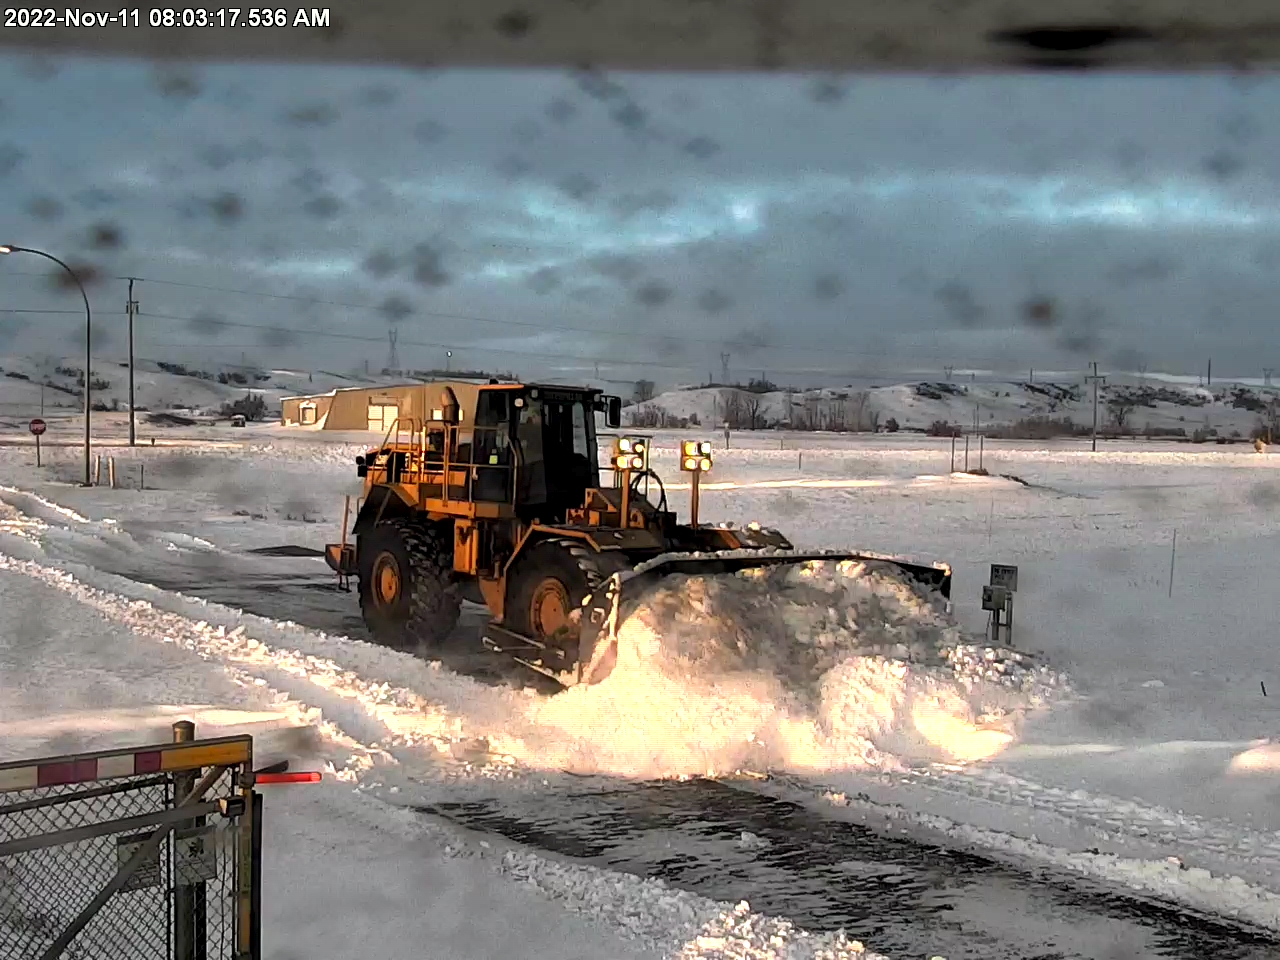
(382, 416)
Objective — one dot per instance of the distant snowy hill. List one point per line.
(193, 387)
(1152, 403)
(1143, 404)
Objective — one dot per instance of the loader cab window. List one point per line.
(492, 446)
(568, 450)
(556, 434)
(533, 478)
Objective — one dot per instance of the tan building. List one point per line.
(372, 408)
(355, 408)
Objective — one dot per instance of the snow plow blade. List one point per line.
(605, 609)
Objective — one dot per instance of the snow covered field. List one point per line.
(1157, 747)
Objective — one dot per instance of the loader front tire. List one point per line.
(407, 594)
(547, 587)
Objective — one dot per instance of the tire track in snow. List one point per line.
(246, 661)
(380, 713)
(21, 501)
(1168, 879)
(1108, 817)
(57, 508)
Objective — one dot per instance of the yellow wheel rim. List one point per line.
(549, 608)
(386, 579)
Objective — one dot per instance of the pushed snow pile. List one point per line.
(825, 665)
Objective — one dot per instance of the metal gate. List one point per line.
(151, 853)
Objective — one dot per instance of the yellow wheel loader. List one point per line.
(491, 492)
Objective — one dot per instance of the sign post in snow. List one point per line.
(997, 599)
(38, 427)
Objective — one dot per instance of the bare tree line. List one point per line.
(844, 412)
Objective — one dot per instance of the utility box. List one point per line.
(997, 600)
(994, 598)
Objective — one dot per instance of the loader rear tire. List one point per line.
(547, 587)
(407, 594)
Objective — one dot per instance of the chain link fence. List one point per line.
(113, 869)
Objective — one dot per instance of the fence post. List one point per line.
(953, 453)
(142, 476)
(966, 453)
(189, 907)
(111, 471)
(97, 470)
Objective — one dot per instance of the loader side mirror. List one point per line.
(362, 468)
(612, 412)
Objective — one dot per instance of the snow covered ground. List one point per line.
(1162, 750)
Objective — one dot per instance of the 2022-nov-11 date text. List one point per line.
(165, 17)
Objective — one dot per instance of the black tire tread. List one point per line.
(435, 604)
(434, 601)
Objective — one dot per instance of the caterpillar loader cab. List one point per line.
(492, 493)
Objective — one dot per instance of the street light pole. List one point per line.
(88, 349)
(132, 309)
(1095, 379)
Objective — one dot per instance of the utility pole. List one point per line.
(724, 369)
(132, 309)
(1209, 377)
(1095, 379)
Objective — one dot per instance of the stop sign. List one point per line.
(38, 426)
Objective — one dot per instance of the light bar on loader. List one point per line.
(629, 454)
(695, 459)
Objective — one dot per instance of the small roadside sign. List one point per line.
(38, 427)
(1004, 575)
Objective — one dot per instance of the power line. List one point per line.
(826, 349)
(78, 313)
(470, 318)
(373, 308)
(479, 348)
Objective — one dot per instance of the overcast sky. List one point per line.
(646, 223)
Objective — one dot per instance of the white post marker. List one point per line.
(37, 428)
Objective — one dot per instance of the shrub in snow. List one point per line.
(251, 406)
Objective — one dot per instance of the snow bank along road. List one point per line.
(484, 755)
